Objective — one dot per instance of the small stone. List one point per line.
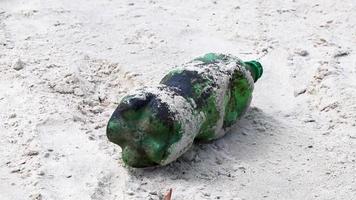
(58, 24)
(41, 173)
(15, 171)
(32, 153)
(341, 54)
(265, 50)
(206, 194)
(18, 65)
(326, 133)
(302, 53)
(153, 193)
(69, 176)
(309, 120)
(13, 115)
(36, 197)
(310, 146)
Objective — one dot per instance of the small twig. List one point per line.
(168, 196)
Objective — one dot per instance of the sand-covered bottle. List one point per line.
(200, 100)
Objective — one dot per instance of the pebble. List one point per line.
(341, 54)
(302, 53)
(18, 65)
(206, 194)
(41, 173)
(32, 153)
(15, 171)
(308, 120)
(36, 197)
(13, 115)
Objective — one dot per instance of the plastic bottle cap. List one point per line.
(256, 67)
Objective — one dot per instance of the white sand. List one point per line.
(57, 58)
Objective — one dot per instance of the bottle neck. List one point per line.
(255, 68)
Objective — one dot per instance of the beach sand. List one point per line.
(65, 65)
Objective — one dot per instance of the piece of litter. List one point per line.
(168, 196)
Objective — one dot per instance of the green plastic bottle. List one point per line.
(199, 101)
